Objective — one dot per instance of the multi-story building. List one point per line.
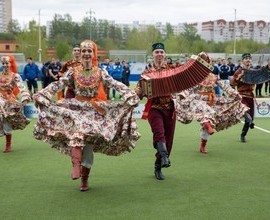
(221, 30)
(5, 14)
(140, 26)
(217, 31)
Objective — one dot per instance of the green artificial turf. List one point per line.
(231, 182)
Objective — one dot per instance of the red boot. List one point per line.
(84, 179)
(76, 156)
(208, 127)
(203, 146)
(8, 143)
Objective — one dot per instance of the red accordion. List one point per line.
(168, 81)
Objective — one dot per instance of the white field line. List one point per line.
(264, 130)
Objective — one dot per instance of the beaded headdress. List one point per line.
(93, 46)
(5, 59)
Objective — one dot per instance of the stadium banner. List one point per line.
(262, 109)
(30, 111)
(135, 71)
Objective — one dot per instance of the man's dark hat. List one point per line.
(246, 55)
(76, 45)
(158, 46)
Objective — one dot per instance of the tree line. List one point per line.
(64, 32)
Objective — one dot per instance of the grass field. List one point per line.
(231, 182)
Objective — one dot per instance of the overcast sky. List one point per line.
(145, 11)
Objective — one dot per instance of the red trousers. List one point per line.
(162, 122)
(70, 93)
(249, 103)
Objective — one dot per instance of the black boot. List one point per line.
(249, 120)
(243, 138)
(158, 173)
(162, 150)
(244, 132)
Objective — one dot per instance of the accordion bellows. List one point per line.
(168, 81)
(256, 76)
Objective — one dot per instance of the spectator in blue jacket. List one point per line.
(45, 74)
(116, 73)
(216, 67)
(106, 65)
(216, 71)
(224, 72)
(231, 65)
(30, 74)
(236, 67)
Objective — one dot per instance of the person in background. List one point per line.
(54, 69)
(237, 66)
(126, 73)
(224, 73)
(75, 61)
(246, 91)
(219, 62)
(169, 61)
(266, 84)
(54, 74)
(216, 71)
(258, 88)
(106, 65)
(187, 57)
(149, 64)
(231, 65)
(177, 62)
(87, 123)
(116, 73)
(45, 74)
(30, 74)
(11, 116)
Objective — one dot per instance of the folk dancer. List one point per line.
(87, 123)
(211, 111)
(11, 115)
(246, 91)
(160, 112)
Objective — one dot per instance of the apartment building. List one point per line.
(221, 30)
(5, 14)
(218, 31)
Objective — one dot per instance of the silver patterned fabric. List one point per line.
(107, 126)
(11, 109)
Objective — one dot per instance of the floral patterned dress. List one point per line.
(11, 110)
(76, 122)
(224, 111)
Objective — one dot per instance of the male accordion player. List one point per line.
(158, 83)
(244, 80)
